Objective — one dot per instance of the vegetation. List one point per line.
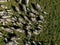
(51, 27)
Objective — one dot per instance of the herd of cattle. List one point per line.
(28, 21)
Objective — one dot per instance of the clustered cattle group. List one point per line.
(28, 21)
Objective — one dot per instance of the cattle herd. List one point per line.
(28, 21)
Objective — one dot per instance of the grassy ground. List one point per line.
(51, 30)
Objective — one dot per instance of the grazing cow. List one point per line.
(24, 8)
(21, 7)
(36, 6)
(39, 43)
(25, 2)
(33, 43)
(13, 7)
(15, 27)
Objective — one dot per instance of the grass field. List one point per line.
(51, 30)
